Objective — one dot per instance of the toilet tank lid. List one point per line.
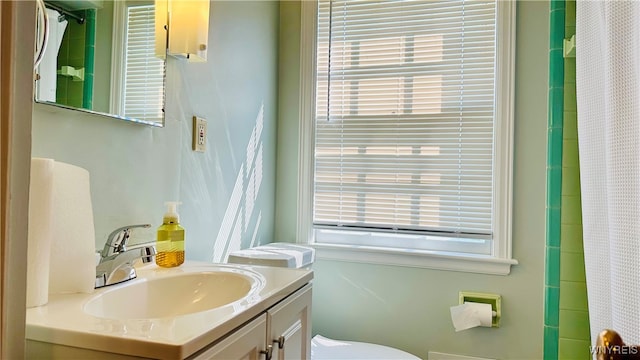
(261, 257)
(276, 254)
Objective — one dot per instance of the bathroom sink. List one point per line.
(174, 295)
(161, 314)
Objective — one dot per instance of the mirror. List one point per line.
(100, 58)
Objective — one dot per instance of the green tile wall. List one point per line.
(69, 92)
(555, 143)
(89, 55)
(566, 333)
(574, 335)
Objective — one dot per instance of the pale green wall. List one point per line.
(288, 125)
(408, 308)
(135, 168)
(102, 69)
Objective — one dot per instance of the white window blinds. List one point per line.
(143, 90)
(404, 127)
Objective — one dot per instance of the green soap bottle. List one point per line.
(170, 241)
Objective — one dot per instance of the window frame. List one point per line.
(500, 260)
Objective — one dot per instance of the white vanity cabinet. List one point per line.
(246, 343)
(283, 332)
(289, 326)
(271, 321)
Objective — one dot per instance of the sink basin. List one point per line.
(162, 314)
(170, 296)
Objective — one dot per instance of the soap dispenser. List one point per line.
(170, 241)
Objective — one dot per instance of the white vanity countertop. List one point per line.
(63, 320)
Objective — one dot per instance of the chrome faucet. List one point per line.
(116, 259)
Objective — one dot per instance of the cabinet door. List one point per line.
(289, 324)
(246, 343)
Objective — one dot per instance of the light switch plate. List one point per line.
(199, 134)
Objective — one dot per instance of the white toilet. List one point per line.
(322, 348)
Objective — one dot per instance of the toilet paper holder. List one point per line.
(494, 300)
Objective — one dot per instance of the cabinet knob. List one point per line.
(267, 353)
(280, 341)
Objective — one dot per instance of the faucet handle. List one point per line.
(117, 240)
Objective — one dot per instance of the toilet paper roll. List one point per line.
(39, 238)
(470, 315)
(73, 266)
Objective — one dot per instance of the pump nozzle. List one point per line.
(172, 213)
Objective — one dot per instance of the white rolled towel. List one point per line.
(72, 268)
(40, 231)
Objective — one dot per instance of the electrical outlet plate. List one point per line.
(494, 299)
(199, 134)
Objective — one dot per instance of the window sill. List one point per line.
(414, 258)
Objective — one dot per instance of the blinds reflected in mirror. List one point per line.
(143, 81)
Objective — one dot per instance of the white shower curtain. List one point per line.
(608, 94)
(46, 86)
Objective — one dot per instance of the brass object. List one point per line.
(609, 346)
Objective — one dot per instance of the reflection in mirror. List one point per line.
(100, 58)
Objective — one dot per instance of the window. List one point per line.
(412, 129)
(139, 86)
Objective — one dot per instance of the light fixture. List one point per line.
(187, 22)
